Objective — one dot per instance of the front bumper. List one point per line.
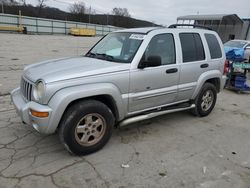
(23, 110)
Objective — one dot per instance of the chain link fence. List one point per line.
(50, 26)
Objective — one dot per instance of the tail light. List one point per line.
(226, 67)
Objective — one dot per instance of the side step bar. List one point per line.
(151, 115)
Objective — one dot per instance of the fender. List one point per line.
(62, 98)
(203, 78)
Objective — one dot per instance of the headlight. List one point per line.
(39, 91)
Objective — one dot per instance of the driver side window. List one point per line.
(163, 46)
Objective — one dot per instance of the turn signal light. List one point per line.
(39, 114)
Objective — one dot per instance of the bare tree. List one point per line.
(23, 2)
(78, 8)
(8, 2)
(90, 10)
(41, 4)
(121, 12)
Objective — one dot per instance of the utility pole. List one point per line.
(107, 19)
(2, 8)
(89, 13)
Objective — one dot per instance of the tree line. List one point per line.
(79, 12)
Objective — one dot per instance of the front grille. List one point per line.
(26, 89)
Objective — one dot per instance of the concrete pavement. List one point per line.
(175, 150)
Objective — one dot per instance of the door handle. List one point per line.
(204, 66)
(174, 70)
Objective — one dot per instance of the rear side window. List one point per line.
(192, 47)
(214, 46)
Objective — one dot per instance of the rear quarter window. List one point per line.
(192, 47)
(214, 46)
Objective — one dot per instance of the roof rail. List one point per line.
(194, 25)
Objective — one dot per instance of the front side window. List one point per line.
(163, 46)
(117, 47)
(192, 47)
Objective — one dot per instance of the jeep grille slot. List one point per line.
(26, 89)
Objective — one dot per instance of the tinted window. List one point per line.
(214, 46)
(162, 45)
(192, 47)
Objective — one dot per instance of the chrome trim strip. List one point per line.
(156, 107)
(154, 95)
(26, 88)
(186, 89)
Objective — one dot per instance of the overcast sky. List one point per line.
(162, 12)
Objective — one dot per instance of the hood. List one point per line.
(68, 68)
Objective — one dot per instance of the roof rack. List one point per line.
(195, 26)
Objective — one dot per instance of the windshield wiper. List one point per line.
(106, 56)
(90, 54)
(100, 56)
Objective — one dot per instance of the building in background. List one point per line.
(228, 26)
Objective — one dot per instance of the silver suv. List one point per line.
(128, 76)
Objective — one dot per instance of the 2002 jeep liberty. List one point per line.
(128, 76)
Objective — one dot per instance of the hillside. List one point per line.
(54, 13)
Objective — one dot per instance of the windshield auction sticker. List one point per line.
(137, 36)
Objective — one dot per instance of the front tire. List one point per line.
(86, 127)
(205, 101)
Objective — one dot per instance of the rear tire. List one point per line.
(205, 101)
(86, 127)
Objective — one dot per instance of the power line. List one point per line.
(94, 9)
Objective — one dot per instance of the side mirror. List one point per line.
(152, 61)
(247, 48)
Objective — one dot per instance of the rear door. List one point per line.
(193, 64)
(201, 52)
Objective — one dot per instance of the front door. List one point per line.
(155, 86)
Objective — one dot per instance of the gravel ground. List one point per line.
(175, 150)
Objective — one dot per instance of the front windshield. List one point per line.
(235, 44)
(117, 47)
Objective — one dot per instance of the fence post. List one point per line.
(36, 26)
(2, 7)
(17, 21)
(52, 24)
(65, 25)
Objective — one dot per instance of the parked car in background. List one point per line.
(128, 76)
(245, 44)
